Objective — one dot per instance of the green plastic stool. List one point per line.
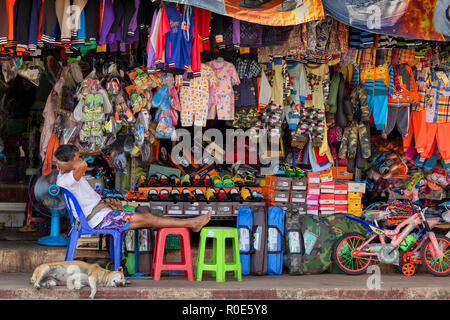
(218, 265)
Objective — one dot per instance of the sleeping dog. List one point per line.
(76, 274)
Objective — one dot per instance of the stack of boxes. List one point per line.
(317, 193)
(355, 192)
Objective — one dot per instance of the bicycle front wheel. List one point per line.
(438, 266)
(342, 254)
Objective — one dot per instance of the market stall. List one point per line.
(188, 111)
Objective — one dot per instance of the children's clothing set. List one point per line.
(221, 100)
(194, 98)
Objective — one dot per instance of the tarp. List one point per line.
(272, 12)
(416, 19)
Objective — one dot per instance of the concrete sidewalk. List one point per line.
(306, 287)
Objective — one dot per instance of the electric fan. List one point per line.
(48, 195)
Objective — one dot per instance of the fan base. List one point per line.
(53, 241)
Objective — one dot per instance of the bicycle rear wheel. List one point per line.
(342, 254)
(437, 266)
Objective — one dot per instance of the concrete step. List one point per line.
(306, 287)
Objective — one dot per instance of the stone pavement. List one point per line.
(285, 287)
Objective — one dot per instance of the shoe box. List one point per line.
(299, 184)
(278, 183)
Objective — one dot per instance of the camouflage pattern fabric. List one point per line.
(293, 257)
(340, 225)
(349, 144)
(364, 138)
(246, 117)
(319, 239)
(359, 101)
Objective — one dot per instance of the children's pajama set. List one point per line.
(221, 99)
(194, 99)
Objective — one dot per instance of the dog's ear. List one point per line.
(120, 269)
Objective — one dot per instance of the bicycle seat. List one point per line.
(375, 215)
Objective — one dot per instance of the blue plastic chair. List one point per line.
(80, 226)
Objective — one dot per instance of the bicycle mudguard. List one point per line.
(275, 239)
(244, 226)
(258, 261)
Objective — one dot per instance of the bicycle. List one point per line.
(353, 253)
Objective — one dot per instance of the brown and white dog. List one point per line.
(75, 275)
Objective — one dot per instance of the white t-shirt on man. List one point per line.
(85, 195)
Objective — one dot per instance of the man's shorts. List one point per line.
(119, 220)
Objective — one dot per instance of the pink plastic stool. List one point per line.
(158, 255)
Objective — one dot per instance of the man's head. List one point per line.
(65, 156)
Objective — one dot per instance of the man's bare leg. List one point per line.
(148, 220)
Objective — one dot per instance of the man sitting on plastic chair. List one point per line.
(108, 213)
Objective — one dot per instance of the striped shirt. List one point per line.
(378, 81)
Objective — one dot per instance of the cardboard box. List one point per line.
(206, 206)
(313, 177)
(312, 210)
(340, 200)
(339, 208)
(156, 205)
(326, 199)
(175, 208)
(341, 173)
(356, 187)
(278, 183)
(312, 200)
(224, 208)
(326, 176)
(340, 188)
(191, 208)
(281, 196)
(299, 184)
(298, 196)
(327, 187)
(354, 196)
(313, 189)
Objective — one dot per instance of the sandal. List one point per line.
(163, 180)
(153, 195)
(237, 180)
(227, 182)
(152, 181)
(199, 196)
(289, 171)
(257, 196)
(217, 181)
(164, 195)
(211, 194)
(249, 180)
(187, 196)
(176, 196)
(223, 196)
(186, 181)
(246, 195)
(196, 181)
(207, 181)
(175, 180)
(234, 195)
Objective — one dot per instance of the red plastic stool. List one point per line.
(158, 255)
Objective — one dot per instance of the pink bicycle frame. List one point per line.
(397, 237)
